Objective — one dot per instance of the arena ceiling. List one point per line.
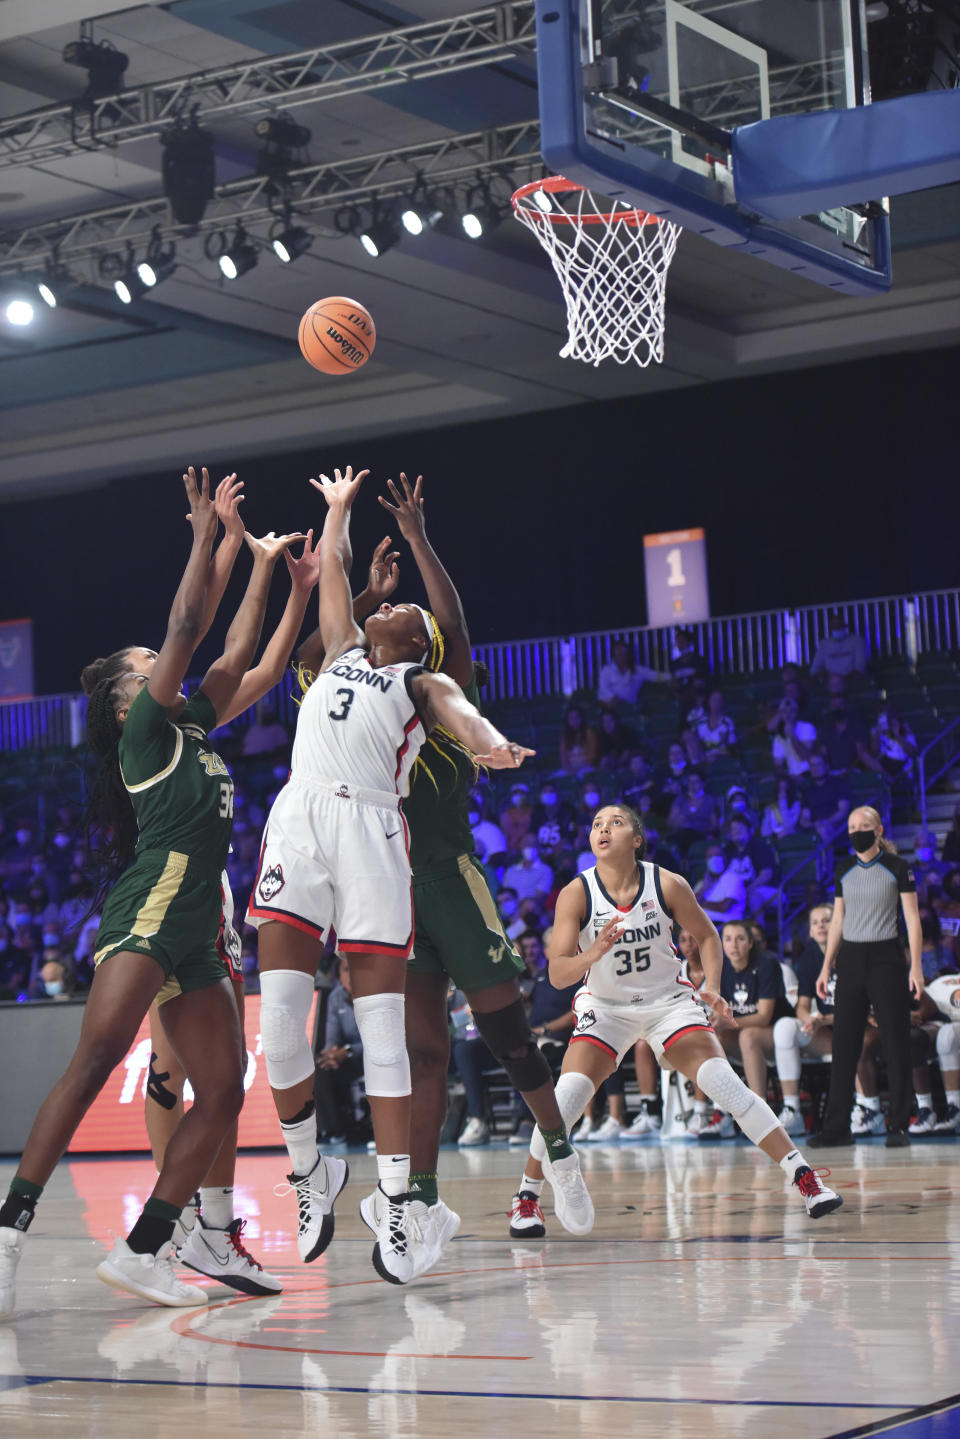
(466, 330)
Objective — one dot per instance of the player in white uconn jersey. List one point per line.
(613, 928)
(335, 855)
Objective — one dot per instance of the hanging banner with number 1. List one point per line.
(676, 573)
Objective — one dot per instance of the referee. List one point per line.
(864, 943)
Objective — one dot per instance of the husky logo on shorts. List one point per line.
(271, 884)
(587, 1020)
(231, 942)
(343, 792)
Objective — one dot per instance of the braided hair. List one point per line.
(110, 821)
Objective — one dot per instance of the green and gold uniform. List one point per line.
(167, 904)
(457, 927)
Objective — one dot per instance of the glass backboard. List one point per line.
(639, 100)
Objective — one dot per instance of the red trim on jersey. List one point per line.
(687, 1029)
(591, 1039)
(283, 916)
(367, 946)
(405, 745)
(688, 984)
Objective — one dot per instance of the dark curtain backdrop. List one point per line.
(838, 483)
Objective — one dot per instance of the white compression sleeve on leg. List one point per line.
(786, 1033)
(728, 1091)
(285, 999)
(574, 1093)
(386, 1067)
(948, 1046)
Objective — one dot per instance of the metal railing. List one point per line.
(949, 739)
(895, 626)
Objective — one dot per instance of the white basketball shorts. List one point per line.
(335, 856)
(617, 1027)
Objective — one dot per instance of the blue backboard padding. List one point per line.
(802, 164)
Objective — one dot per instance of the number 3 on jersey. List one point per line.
(346, 697)
(632, 961)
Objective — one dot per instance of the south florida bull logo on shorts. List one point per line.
(271, 884)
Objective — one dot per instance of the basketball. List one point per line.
(337, 335)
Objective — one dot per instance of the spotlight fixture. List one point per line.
(420, 212)
(104, 63)
(17, 309)
(159, 263)
(130, 285)
(189, 170)
(482, 213)
(240, 257)
(50, 283)
(381, 234)
(291, 242)
(281, 131)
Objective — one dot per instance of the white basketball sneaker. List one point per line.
(186, 1223)
(220, 1254)
(791, 1120)
(949, 1124)
(818, 1199)
(149, 1276)
(645, 1124)
(571, 1200)
(864, 1121)
(11, 1247)
(526, 1216)
(721, 1126)
(475, 1131)
(316, 1195)
(925, 1122)
(438, 1226)
(609, 1132)
(401, 1251)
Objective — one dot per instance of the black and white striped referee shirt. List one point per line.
(871, 896)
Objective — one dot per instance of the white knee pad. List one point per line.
(786, 1042)
(948, 1046)
(728, 1091)
(285, 999)
(574, 1093)
(386, 1067)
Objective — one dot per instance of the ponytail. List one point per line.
(887, 845)
(110, 821)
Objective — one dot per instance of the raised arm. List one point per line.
(339, 631)
(185, 625)
(226, 502)
(442, 595)
(261, 679)
(383, 577)
(442, 702)
(222, 680)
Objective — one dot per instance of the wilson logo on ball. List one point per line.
(337, 335)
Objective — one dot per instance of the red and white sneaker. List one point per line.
(816, 1196)
(526, 1216)
(221, 1254)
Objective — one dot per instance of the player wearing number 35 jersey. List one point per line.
(613, 928)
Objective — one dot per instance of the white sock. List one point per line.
(216, 1206)
(394, 1173)
(301, 1142)
(792, 1101)
(534, 1186)
(869, 1101)
(953, 1097)
(924, 1101)
(791, 1162)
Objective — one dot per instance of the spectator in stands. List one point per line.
(671, 778)
(638, 785)
(826, 800)
(621, 678)
(948, 904)
(950, 853)
(266, 736)
(935, 957)
(658, 851)
(529, 946)
(752, 984)
(721, 890)
(614, 741)
(841, 651)
(529, 877)
(715, 729)
(844, 738)
(54, 980)
(578, 742)
(19, 855)
(749, 856)
(517, 819)
(686, 664)
(554, 826)
(928, 871)
(738, 803)
(508, 904)
(812, 1028)
(14, 966)
(783, 815)
(340, 1065)
(693, 815)
(793, 739)
(893, 744)
(489, 840)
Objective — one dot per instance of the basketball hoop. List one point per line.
(612, 266)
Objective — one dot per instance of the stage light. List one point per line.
(286, 134)
(18, 310)
(239, 258)
(159, 264)
(188, 171)
(381, 234)
(130, 285)
(482, 213)
(292, 242)
(421, 212)
(104, 63)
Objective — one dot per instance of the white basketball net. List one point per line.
(612, 265)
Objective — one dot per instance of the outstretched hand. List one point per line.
(271, 546)
(717, 1005)
(408, 510)
(505, 756)
(203, 514)
(227, 504)
(305, 571)
(384, 573)
(342, 489)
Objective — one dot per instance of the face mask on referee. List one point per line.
(863, 839)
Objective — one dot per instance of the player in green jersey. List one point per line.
(167, 800)
(458, 933)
